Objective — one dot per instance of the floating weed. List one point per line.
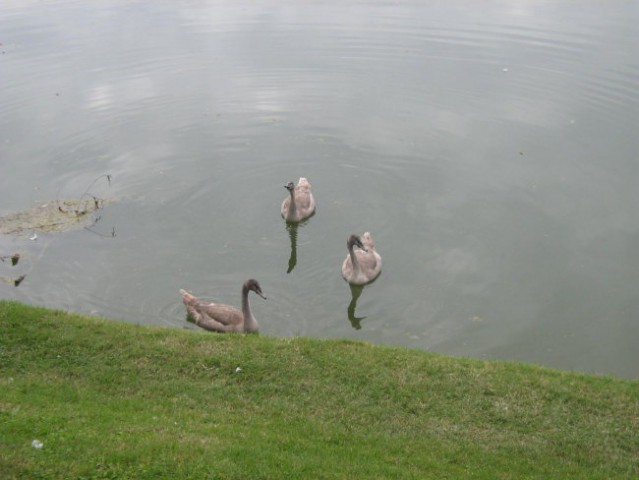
(57, 215)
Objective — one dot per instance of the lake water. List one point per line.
(489, 147)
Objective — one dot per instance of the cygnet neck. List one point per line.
(354, 261)
(292, 208)
(250, 324)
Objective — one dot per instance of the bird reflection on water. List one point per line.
(356, 291)
(292, 235)
(291, 228)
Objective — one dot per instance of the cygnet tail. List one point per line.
(302, 182)
(187, 298)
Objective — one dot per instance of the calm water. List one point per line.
(490, 147)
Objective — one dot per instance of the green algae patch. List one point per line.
(54, 216)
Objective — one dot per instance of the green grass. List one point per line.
(114, 400)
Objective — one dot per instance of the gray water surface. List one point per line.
(490, 148)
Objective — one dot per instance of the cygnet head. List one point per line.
(252, 284)
(290, 186)
(355, 241)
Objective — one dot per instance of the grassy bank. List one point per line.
(113, 400)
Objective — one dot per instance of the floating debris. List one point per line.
(15, 281)
(14, 258)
